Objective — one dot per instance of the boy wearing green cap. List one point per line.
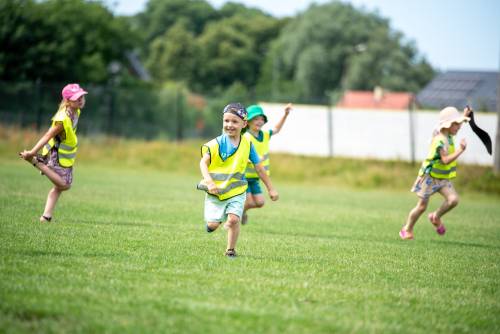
(260, 140)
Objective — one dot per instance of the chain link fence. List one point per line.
(143, 111)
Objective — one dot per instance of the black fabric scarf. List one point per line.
(483, 135)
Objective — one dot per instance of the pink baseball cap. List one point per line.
(72, 92)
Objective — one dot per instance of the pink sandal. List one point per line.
(405, 235)
(440, 228)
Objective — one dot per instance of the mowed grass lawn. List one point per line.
(128, 252)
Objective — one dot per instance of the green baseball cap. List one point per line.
(254, 111)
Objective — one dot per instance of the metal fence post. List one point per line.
(178, 111)
(329, 119)
(411, 115)
(496, 166)
(37, 104)
(111, 111)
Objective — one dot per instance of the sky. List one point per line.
(450, 34)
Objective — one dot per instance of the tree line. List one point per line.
(191, 49)
(326, 48)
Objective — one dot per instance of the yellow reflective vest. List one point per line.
(433, 165)
(66, 149)
(262, 148)
(229, 174)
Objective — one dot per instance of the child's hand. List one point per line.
(273, 194)
(288, 108)
(467, 111)
(212, 188)
(463, 144)
(26, 155)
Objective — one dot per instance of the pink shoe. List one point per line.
(405, 235)
(440, 228)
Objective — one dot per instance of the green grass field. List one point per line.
(128, 253)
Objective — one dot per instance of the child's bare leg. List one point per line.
(52, 198)
(47, 171)
(249, 202)
(213, 226)
(254, 201)
(415, 213)
(59, 186)
(233, 230)
(450, 201)
(55, 178)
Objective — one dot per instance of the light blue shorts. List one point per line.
(217, 210)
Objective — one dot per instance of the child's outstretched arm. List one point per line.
(51, 133)
(279, 125)
(447, 158)
(273, 194)
(204, 163)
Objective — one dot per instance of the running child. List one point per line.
(437, 171)
(223, 163)
(59, 146)
(260, 139)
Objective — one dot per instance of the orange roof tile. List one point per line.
(367, 100)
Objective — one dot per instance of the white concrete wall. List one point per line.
(375, 134)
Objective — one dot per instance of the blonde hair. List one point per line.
(64, 104)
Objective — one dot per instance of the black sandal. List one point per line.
(230, 252)
(45, 219)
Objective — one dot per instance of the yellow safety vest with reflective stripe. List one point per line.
(434, 166)
(66, 149)
(229, 174)
(262, 148)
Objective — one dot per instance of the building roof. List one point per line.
(461, 88)
(376, 100)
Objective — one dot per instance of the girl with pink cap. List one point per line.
(437, 171)
(59, 145)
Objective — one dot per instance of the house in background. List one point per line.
(376, 99)
(461, 88)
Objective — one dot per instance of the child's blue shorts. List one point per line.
(254, 186)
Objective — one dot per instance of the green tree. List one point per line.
(227, 56)
(335, 46)
(233, 49)
(232, 8)
(173, 56)
(389, 64)
(58, 40)
(160, 15)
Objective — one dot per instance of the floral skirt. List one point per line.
(426, 185)
(52, 161)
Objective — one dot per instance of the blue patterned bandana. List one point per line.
(236, 109)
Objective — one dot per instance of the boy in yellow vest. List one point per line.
(223, 163)
(260, 139)
(437, 171)
(59, 146)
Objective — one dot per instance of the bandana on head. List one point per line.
(236, 109)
